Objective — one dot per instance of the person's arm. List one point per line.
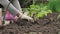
(15, 11)
(11, 8)
(17, 5)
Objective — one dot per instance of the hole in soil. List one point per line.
(38, 27)
(28, 27)
(9, 28)
(58, 27)
(11, 33)
(21, 22)
(22, 26)
(47, 22)
(1, 28)
(25, 20)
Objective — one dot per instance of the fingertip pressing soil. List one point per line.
(46, 25)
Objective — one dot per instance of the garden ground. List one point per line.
(47, 25)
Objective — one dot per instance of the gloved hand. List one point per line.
(27, 17)
(23, 16)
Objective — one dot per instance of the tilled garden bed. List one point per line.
(46, 25)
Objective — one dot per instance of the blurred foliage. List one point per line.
(39, 10)
(25, 3)
(54, 5)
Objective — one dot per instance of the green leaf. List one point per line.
(40, 14)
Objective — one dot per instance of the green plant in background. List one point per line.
(34, 9)
(44, 11)
(54, 5)
(39, 10)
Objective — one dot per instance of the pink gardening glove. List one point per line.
(9, 16)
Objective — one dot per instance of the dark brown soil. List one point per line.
(46, 25)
